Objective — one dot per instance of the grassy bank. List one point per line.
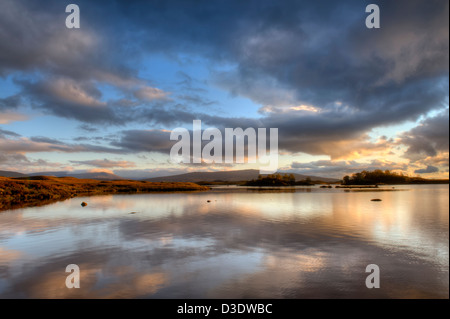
(39, 190)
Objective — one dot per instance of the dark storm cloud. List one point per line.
(333, 133)
(145, 141)
(132, 141)
(10, 102)
(34, 38)
(320, 53)
(59, 70)
(429, 169)
(280, 53)
(429, 138)
(81, 100)
(69, 99)
(321, 63)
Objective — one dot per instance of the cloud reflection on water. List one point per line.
(270, 245)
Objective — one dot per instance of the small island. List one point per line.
(364, 179)
(278, 180)
(379, 177)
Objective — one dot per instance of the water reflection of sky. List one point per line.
(240, 244)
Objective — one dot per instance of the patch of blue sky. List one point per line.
(391, 131)
(434, 113)
(46, 125)
(8, 87)
(109, 92)
(192, 75)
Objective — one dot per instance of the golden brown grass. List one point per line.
(38, 190)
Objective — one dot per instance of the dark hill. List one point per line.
(228, 176)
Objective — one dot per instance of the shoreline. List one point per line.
(42, 190)
(37, 191)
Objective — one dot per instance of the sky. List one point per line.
(105, 97)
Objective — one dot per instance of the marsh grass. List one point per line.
(41, 190)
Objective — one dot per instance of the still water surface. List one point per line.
(244, 243)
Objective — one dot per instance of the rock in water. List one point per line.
(83, 204)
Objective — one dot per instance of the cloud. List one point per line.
(11, 143)
(321, 66)
(13, 158)
(15, 149)
(37, 40)
(429, 169)
(338, 169)
(429, 138)
(145, 141)
(100, 170)
(87, 128)
(67, 67)
(312, 68)
(149, 173)
(83, 101)
(4, 133)
(441, 160)
(22, 163)
(318, 133)
(337, 137)
(46, 140)
(150, 94)
(105, 163)
(6, 118)
(383, 75)
(67, 98)
(10, 102)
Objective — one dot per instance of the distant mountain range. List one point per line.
(225, 176)
(11, 174)
(229, 176)
(98, 176)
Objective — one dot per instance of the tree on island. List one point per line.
(278, 180)
(386, 177)
(376, 177)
